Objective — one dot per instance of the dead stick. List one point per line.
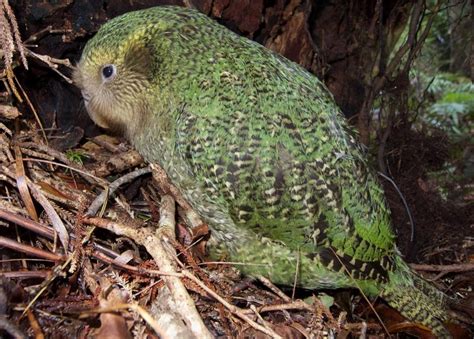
(297, 305)
(443, 268)
(34, 226)
(25, 274)
(36, 252)
(274, 289)
(102, 198)
(162, 253)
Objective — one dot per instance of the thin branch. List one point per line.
(53, 63)
(443, 268)
(296, 305)
(417, 47)
(29, 250)
(41, 33)
(274, 289)
(414, 21)
(102, 198)
(25, 274)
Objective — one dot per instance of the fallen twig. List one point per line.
(443, 268)
(30, 250)
(275, 289)
(52, 63)
(102, 198)
(295, 305)
(25, 274)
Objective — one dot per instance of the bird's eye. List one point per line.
(108, 72)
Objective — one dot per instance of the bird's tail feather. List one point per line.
(417, 300)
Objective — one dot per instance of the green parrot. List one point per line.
(259, 149)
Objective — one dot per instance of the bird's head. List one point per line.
(115, 73)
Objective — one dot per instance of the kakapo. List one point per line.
(258, 147)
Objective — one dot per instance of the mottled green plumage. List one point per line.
(258, 147)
